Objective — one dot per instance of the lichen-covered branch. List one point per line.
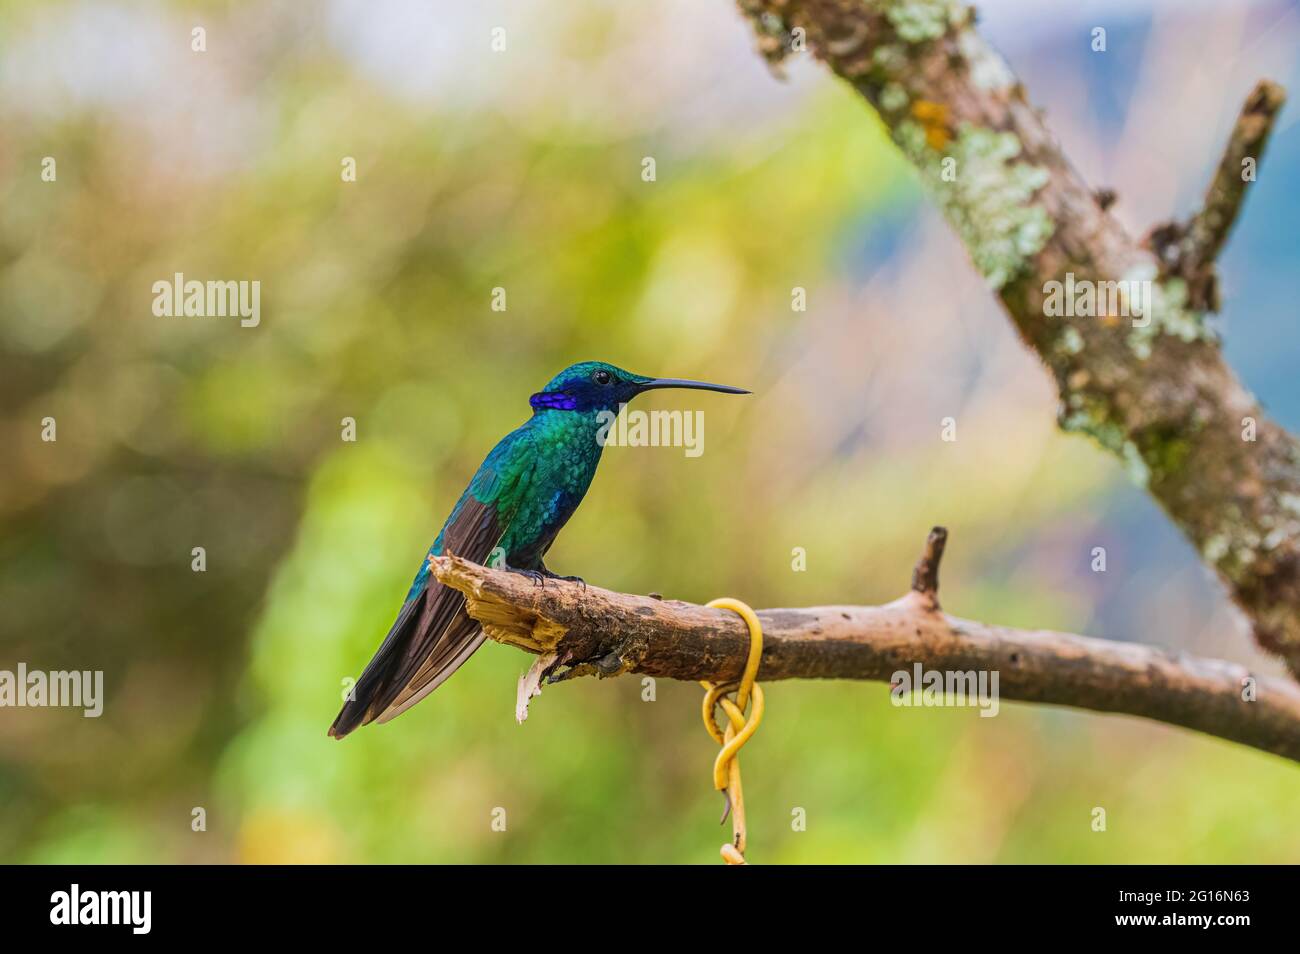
(1148, 381)
(591, 631)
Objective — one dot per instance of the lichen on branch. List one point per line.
(1154, 391)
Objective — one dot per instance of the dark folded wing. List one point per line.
(433, 635)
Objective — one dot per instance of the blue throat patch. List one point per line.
(555, 399)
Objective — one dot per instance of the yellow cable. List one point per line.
(726, 767)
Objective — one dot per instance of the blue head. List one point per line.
(598, 386)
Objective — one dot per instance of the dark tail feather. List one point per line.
(350, 716)
(432, 637)
(378, 676)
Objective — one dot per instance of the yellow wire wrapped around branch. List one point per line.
(726, 767)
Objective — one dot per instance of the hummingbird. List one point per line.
(522, 495)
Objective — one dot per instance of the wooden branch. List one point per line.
(1188, 250)
(600, 632)
(1150, 386)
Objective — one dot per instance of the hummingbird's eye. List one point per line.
(601, 376)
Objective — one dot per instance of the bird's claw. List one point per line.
(538, 578)
(567, 579)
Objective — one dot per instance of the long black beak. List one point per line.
(655, 383)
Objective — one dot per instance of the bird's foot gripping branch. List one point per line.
(604, 633)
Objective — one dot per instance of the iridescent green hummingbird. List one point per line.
(524, 492)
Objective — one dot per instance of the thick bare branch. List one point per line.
(1152, 387)
(600, 632)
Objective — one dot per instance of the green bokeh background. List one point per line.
(175, 433)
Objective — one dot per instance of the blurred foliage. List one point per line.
(175, 433)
